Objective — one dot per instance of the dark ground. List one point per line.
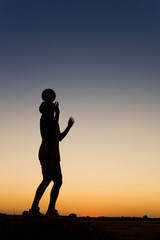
(25, 227)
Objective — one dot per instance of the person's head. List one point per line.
(47, 108)
(48, 95)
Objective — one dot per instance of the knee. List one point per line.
(46, 181)
(58, 183)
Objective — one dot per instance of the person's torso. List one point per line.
(50, 138)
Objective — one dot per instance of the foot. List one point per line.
(52, 213)
(25, 213)
(35, 212)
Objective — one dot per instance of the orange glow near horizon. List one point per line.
(108, 170)
(90, 205)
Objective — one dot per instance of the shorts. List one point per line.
(52, 172)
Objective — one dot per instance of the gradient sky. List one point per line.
(102, 57)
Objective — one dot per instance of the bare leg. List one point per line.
(54, 195)
(40, 191)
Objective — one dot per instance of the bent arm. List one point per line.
(57, 112)
(65, 132)
(57, 117)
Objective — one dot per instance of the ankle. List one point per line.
(52, 213)
(35, 207)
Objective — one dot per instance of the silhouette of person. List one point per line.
(49, 154)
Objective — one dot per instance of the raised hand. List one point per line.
(56, 104)
(71, 121)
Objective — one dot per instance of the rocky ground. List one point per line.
(47, 228)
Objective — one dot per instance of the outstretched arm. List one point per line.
(65, 132)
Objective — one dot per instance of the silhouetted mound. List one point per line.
(72, 215)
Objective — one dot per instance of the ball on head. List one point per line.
(48, 95)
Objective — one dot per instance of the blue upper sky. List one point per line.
(72, 43)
